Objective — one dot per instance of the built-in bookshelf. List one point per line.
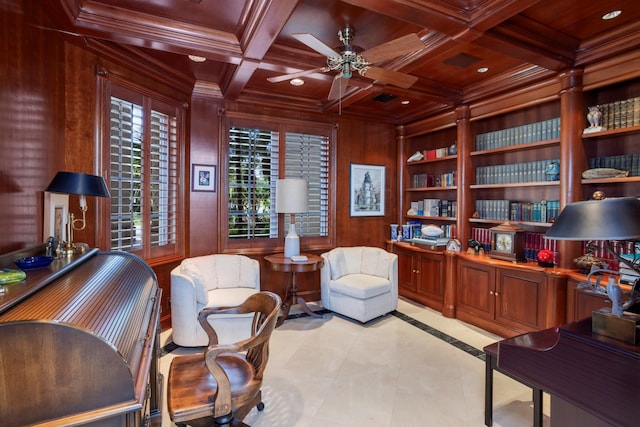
(431, 181)
(616, 143)
(517, 166)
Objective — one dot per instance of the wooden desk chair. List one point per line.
(220, 386)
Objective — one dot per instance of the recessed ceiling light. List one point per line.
(296, 82)
(483, 69)
(405, 102)
(196, 58)
(611, 15)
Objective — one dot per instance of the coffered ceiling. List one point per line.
(246, 42)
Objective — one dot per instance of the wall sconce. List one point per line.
(607, 220)
(291, 198)
(83, 185)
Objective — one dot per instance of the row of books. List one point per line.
(436, 153)
(413, 230)
(532, 132)
(621, 114)
(422, 180)
(515, 173)
(625, 162)
(503, 210)
(599, 250)
(629, 275)
(533, 243)
(435, 207)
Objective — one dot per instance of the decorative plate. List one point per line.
(11, 276)
(33, 262)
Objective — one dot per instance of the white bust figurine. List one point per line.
(615, 294)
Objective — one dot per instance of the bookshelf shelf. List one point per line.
(611, 180)
(425, 161)
(432, 218)
(618, 131)
(422, 189)
(521, 147)
(516, 185)
(498, 221)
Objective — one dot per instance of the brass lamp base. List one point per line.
(624, 328)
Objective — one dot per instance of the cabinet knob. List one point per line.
(490, 292)
(497, 294)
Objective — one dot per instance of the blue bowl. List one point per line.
(33, 262)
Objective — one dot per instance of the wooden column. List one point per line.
(466, 144)
(402, 183)
(573, 159)
(450, 282)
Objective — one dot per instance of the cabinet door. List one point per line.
(431, 276)
(406, 272)
(587, 302)
(476, 284)
(518, 298)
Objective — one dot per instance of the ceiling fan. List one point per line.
(350, 58)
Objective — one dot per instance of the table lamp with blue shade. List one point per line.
(292, 198)
(83, 185)
(608, 220)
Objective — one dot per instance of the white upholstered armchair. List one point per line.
(212, 281)
(359, 282)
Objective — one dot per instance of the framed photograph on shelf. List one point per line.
(203, 178)
(367, 190)
(56, 209)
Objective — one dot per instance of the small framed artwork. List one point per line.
(203, 178)
(56, 208)
(367, 190)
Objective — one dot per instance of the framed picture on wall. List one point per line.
(56, 208)
(203, 178)
(367, 190)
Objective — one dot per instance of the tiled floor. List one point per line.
(413, 368)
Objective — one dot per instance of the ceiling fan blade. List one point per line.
(338, 87)
(394, 48)
(391, 77)
(316, 44)
(284, 77)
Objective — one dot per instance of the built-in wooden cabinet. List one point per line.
(421, 275)
(507, 298)
(582, 302)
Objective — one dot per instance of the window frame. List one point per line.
(113, 85)
(282, 126)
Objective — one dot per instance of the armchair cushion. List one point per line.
(361, 286)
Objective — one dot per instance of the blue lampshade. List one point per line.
(78, 183)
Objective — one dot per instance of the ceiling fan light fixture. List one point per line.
(482, 70)
(296, 82)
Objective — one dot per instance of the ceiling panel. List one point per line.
(248, 41)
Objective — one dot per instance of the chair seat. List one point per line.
(188, 399)
(361, 286)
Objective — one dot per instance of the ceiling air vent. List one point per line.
(384, 97)
(462, 60)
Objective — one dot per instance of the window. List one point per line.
(141, 152)
(259, 154)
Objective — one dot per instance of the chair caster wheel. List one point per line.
(260, 406)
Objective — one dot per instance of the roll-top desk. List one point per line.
(79, 343)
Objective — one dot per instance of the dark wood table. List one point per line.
(278, 262)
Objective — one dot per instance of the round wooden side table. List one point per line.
(278, 262)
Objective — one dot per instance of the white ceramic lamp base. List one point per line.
(291, 243)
